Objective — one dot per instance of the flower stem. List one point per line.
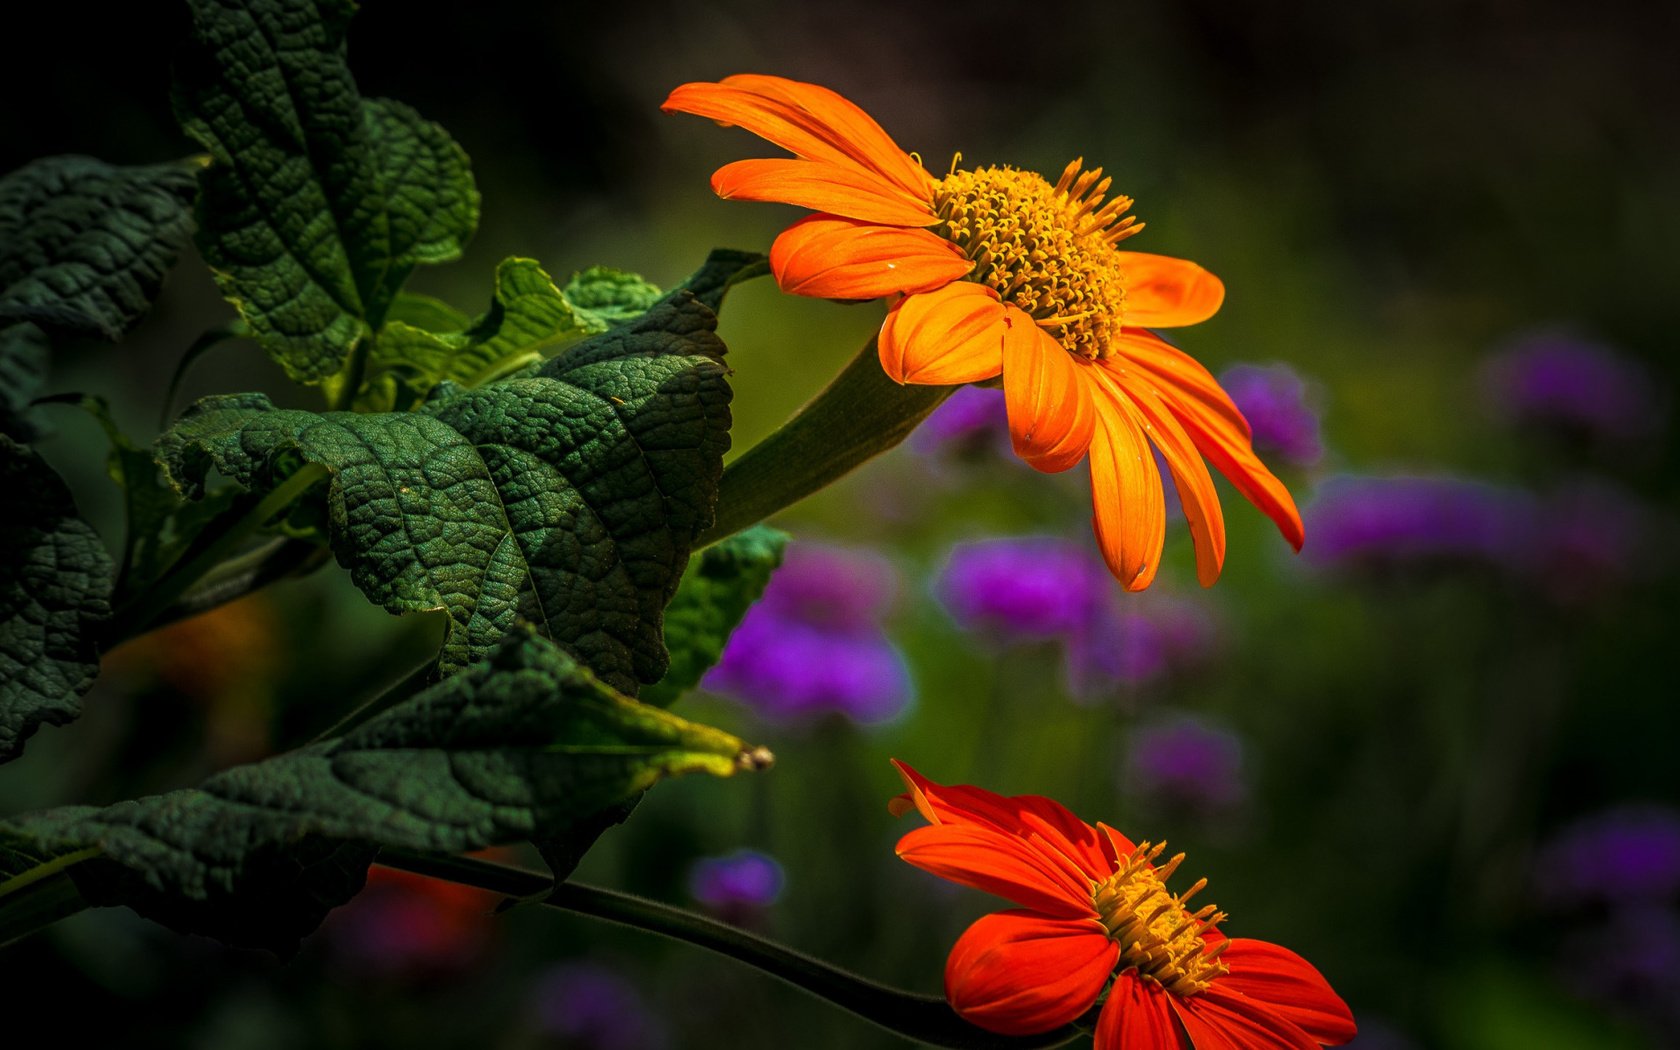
(858, 416)
(923, 1018)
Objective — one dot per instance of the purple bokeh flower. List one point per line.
(1629, 960)
(971, 423)
(1628, 853)
(1187, 765)
(1590, 534)
(593, 1008)
(1559, 379)
(737, 886)
(1025, 588)
(1139, 638)
(1355, 518)
(1278, 406)
(814, 643)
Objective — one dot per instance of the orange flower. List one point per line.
(997, 272)
(1096, 913)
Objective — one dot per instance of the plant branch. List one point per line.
(924, 1018)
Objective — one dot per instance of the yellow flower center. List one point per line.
(1155, 931)
(1047, 249)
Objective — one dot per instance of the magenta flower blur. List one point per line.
(1276, 402)
(1025, 588)
(1374, 519)
(1560, 380)
(814, 643)
(1590, 534)
(737, 886)
(1139, 639)
(590, 1007)
(971, 424)
(1631, 852)
(1186, 766)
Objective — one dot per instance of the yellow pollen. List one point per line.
(1048, 250)
(1155, 931)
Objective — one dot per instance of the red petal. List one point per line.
(827, 257)
(1129, 510)
(1051, 415)
(1044, 822)
(948, 336)
(820, 186)
(1190, 474)
(806, 120)
(1164, 292)
(1218, 1020)
(979, 856)
(1289, 986)
(1020, 972)
(1137, 1016)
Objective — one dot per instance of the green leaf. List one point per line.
(721, 584)
(569, 495)
(723, 269)
(84, 245)
(523, 742)
(24, 354)
(55, 585)
(601, 297)
(316, 204)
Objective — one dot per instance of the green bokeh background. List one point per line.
(1390, 191)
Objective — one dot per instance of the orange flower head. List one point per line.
(997, 272)
(1096, 915)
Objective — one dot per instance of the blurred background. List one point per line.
(1432, 753)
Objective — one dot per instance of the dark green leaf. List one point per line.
(84, 245)
(514, 746)
(602, 297)
(55, 584)
(721, 584)
(316, 203)
(23, 372)
(569, 495)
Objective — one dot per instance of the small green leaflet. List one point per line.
(721, 584)
(568, 495)
(316, 203)
(84, 245)
(602, 297)
(55, 587)
(519, 744)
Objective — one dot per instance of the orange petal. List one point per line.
(1048, 394)
(1137, 1016)
(1020, 973)
(1164, 292)
(1290, 986)
(939, 338)
(1190, 474)
(827, 257)
(1128, 507)
(808, 121)
(1217, 428)
(1219, 1020)
(990, 860)
(1042, 822)
(821, 187)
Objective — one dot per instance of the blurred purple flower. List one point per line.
(971, 423)
(1589, 534)
(1628, 853)
(1139, 638)
(1355, 518)
(737, 886)
(593, 1008)
(1630, 960)
(814, 643)
(1031, 587)
(1559, 379)
(1187, 765)
(1276, 402)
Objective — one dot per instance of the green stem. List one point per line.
(860, 415)
(147, 607)
(202, 345)
(238, 576)
(384, 700)
(923, 1018)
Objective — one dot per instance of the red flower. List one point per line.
(1096, 914)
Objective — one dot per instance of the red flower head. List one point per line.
(997, 273)
(1096, 914)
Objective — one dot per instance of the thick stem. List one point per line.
(238, 576)
(860, 415)
(926, 1019)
